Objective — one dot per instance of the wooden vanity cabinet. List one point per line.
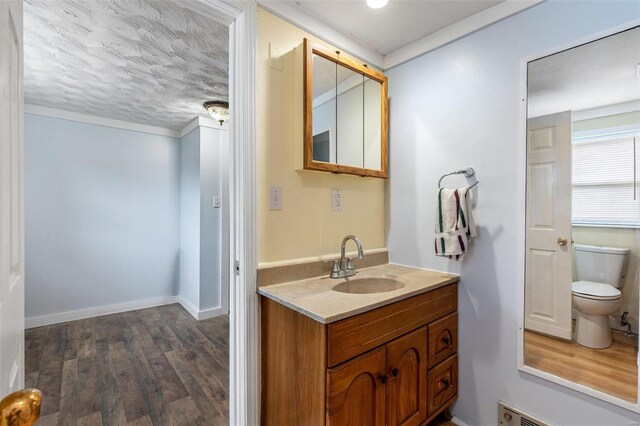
(394, 365)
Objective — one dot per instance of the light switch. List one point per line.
(337, 200)
(275, 198)
(217, 202)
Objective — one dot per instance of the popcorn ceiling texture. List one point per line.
(143, 61)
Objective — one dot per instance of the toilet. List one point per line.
(601, 272)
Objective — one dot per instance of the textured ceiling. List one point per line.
(144, 61)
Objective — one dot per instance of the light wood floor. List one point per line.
(154, 366)
(613, 370)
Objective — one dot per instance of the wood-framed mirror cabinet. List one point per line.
(345, 114)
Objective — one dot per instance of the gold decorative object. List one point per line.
(21, 408)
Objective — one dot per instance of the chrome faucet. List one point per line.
(344, 267)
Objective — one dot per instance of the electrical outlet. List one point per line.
(337, 200)
(275, 198)
(217, 202)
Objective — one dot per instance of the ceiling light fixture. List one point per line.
(377, 4)
(219, 110)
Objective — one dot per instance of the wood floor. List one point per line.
(613, 370)
(154, 366)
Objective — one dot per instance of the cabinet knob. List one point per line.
(445, 382)
(446, 340)
(383, 379)
(394, 372)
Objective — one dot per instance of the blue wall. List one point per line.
(461, 105)
(102, 215)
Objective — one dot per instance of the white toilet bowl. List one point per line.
(594, 302)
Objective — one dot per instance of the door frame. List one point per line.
(521, 224)
(244, 347)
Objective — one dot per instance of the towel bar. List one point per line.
(468, 172)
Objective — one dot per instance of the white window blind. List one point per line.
(603, 176)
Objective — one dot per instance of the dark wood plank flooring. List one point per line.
(155, 366)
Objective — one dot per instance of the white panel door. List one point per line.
(548, 239)
(11, 199)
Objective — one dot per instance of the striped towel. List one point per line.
(454, 225)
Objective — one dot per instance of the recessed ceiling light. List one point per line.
(377, 4)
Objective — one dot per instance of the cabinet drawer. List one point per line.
(356, 335)
(443, 383)
(443, 339)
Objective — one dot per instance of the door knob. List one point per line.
(21, 408)
(562, 241)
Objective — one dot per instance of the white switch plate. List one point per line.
(217, 202)
(337, 200)
(275, 198)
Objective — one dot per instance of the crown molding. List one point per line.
(100, 121)
(203, 122)
(456, 31)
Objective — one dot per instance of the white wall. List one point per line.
(102, 214)
(203, 261)
(461, 105)
(190, 218)
(213, 144)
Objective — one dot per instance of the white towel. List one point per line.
(454, 226)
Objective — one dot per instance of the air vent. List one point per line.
(509, 416)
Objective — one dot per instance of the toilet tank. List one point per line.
(601, 264)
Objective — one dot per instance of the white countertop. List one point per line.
(316, 298)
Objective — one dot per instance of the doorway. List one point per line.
(242, 397)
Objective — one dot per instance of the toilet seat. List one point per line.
(595, 291)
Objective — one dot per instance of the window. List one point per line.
(604, 179)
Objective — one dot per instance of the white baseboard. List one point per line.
(58, 318)
(457, 421)
(200, 314)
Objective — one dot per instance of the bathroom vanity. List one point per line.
(337, 352)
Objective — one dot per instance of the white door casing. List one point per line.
(11, 199)
(548, 221)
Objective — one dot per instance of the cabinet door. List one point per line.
(355, 391)
(407, 386)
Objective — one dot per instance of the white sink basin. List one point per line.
(369, 285)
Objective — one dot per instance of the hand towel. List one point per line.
(454, 226)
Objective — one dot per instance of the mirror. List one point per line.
(583, 218)
(345, 105)
(324, 110)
